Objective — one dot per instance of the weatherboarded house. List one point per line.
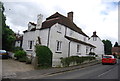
(60, 34)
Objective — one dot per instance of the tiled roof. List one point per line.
(58, 18)
(116, 49)
(79, 41)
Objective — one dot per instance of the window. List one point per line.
(59, 46)
(94, 38)
(78, 48)
(30, 44)
(87, 50)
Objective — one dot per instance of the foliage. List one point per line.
(28, 60)
(17, 49)
(75, 60)
(116, 44)
(107, 46)
(118, 56)
(8, 36)
(20, 54)
(44, 55)
(22, 59)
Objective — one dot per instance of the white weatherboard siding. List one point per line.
(29, 36)
(99, 50)
(56, 35)
(76, 35)
(44, 36)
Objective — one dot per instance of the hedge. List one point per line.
(44, 55)
(75, 60)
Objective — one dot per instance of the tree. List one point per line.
(107, 46)
(8, 36)
(116, 44)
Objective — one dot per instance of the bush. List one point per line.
(118, 56)
(17, 49)
(20, 54)
(44, 55)
(28, 60)
(75, 60)
(22, 59)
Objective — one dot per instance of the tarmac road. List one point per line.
(98, 71)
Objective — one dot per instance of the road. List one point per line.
(98, 71)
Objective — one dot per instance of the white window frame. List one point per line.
(30, 44)
(58, 46)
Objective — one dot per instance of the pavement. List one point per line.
(37, 74)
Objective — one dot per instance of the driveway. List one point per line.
(10, 67)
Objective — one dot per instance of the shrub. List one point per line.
(75, 59)
(20, 54)
(22, 59)
(118, 56)
(44, 55)
(28, 60)
(17, 49)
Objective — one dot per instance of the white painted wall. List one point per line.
(76, 35)
(44, 36)
(58, 36)
(17, 43)
(27, 37)
(99, 50)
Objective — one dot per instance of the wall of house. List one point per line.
(44, 36)
(28, 36)
(57, 33)
(76, 35)
(17, 43)
(73, 49)
(99, 50)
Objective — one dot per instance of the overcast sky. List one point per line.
(90, 15)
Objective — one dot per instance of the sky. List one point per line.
(90, 15)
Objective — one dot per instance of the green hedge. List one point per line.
(75, 60)
(44, 55)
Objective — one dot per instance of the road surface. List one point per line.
(98, 71)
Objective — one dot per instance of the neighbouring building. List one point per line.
(18, 41)
(62, 36)
(116, 50)
(97, 42)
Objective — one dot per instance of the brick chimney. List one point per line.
(94, 33)
(70, 15)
